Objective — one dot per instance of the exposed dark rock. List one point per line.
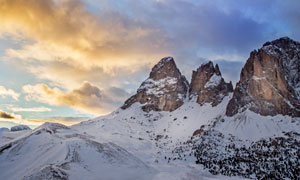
(208, 85)
(164, 90)
(270, 81)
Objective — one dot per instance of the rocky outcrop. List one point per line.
(164, 90)
(208, 85)
(270, 81)
(20, 128)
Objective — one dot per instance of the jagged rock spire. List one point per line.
(164, 90)
(208, 85)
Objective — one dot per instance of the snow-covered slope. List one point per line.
(127, 144)
(151, 136)
(133, 144)
(54, 151)
(253, 127)
(164, 139)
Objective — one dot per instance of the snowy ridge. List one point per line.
(253, 127)
(157, 88)
(56, 151)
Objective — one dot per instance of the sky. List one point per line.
(68, 61)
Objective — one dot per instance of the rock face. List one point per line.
(164, 90)
(208, 85)
(270, 81)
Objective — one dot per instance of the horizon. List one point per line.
(68, 61)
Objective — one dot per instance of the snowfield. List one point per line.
(127, 144)
(132, 144)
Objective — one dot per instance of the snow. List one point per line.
(213, 81)
(56, 149)
(127, 144)
(250, 126)
(133, 144)
(157, 88)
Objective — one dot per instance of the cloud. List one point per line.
(63, 120)
(8, 92)
(88, 97)
(32, 109)
(66, 31)
(74, 76)
(5, 115)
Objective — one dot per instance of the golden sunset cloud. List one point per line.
(64, 31)
(63, 42)
(87, 98)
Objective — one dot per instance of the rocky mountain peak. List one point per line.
(166, 67)
(164, 90)
(270, 81)
(208, 85)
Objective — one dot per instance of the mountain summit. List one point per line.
(269, 82)
(208, 85)
(164, 90)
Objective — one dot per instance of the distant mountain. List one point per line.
(171, 126)
(20, 128)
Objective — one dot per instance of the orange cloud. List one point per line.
(63, 120)
(65, 31)
(32, 109)
(87, 98)
(61, 41)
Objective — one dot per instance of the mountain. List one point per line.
(165, 89)
(19, 128)
(208, 85)
(172, 129)
(259, 135)
(269, 82)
